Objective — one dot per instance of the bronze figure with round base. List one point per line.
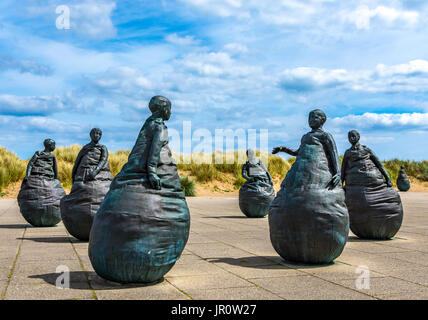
(91, 181)
(403, 183)
(375, 208)
(308, 219)
(41, 191)
(142, 226)
(257, 193)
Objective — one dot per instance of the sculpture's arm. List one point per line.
(102, 163)
(76, 164)
(153, 157)
(286, 150)
(380, 166)
(343, 169)
(333, 157)
(30, 164)
(55, 167)
(267, 171)
(245, 171)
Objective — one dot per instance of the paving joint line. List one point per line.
(94, 294)
(12, 269)
(180, 290)
(228, 271)
(305, 272)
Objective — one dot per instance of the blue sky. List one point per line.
(223, 63)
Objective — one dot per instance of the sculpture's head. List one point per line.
(96, 134)
(251, 154)
(49, 145)
(402, 167)
(317, 118)
(353, 137)
(161, 107)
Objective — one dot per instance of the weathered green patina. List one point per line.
(91, 181)
(308, 219)
(41, 191)
(257, 193)
(403, 183)
(374, 206)
(143, 224)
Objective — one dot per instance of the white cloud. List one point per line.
(363, 16)
(181, 41)
(235, 48)
(391, 121)
(92, 18)
(216, 64)
(17, 105)
(411, 76)
(307, 79)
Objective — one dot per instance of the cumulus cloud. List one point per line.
(24, 66)
(235, 48)
(363, 16)
(284, 12)
(181, 41)
(39, 105)
(216, 64)
(92, 18)
(411, 76)
(122, 81)
(389, 121)
(88, 18)
(309, 79)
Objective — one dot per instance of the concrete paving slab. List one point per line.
(228, 256)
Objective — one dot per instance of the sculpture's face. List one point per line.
(250, 154)
(316, 120)
(166, 111)
(96, 135)
(50, 145)
(353, 137)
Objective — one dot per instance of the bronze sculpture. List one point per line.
(257, 193)
(91, 180)
(374, 206)
(308, 219)
(142, 226)
(403, 183)
(41, 191)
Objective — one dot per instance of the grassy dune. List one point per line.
(12, 169)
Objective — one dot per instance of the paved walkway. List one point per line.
(227, 257)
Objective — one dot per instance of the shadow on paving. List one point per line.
(254, 262)
(356, 239)
(79, 280)
(228, 217)
(53, 240)
(14, 226)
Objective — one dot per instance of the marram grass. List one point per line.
(12, 169)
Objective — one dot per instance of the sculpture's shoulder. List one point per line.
(347, 153)
(327, 136)
(156, 124)
(366, 149)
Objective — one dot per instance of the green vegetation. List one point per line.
(188, 186)
(415, 169)
(198, 170)
(12, 169)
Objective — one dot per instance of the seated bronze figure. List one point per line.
(41, 191)
(374, 206)
(403, 183)
(308, 219)
(91, 180)
(143, 224)
(257, 193)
